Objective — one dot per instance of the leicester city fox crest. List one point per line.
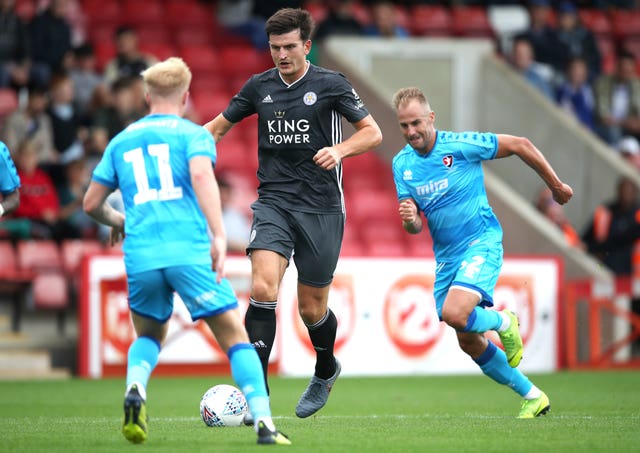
(448, 161)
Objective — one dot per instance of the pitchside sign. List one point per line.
(387, 323)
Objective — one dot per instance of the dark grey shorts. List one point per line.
(313, 239)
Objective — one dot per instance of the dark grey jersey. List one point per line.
(294, 122)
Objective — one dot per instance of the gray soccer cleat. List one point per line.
(316, 394)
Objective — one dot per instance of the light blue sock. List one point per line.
(141, 360)
(247, 372)
(481, 320)
(493, 363)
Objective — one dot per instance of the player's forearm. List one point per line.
(412, 226)
(218, 127)
(208, 195)
(534, 158)
(10, 203)
(106, 215)
(364, 139)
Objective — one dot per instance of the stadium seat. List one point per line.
(189, 14)
(102, 33)
(73, 250)
(419, 245)
(212, 82)
(352, 247)
(243, 60)
(607, 48)
(160, 50)
(142, 12)
(361, 13)
(25, 9)
(625, 23)
(595, 20)
(151, 34)
(430, 20)
(381, 230)
(317, 9)
(201, 59)
(209, 104)
(99, 12)
(51, 292)
(38, 255)
(8, 259)
(104, 52)
(193, 36)
(471, 21)
(369, 205)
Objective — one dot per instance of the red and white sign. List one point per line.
(387, 322)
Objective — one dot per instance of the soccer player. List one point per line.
(440, 174)
(299, 211)
(9, 182)
(163, 165)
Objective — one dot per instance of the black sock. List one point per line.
(260, 322)
(323, 338)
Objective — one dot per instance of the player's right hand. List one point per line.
(218, 256)
(408, 211)
(563, 193)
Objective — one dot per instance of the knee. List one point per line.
(455, 316)
(311, 313)
(264, 291)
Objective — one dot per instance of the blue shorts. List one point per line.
(151, 292)
(477, 270)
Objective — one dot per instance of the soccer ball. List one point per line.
(223, 405)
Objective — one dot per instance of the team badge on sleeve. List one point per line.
(447, 160)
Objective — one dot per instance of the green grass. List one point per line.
(590, 412)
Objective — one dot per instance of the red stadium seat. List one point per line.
(625, 23)
(99, 12)
(160, 50)
(430, 20)
(201, 58)
(419, 245)
(403, 18)
(210, 104)
(38, 255)
(50, 290)
(369, 205)
(595, 20)
(212, 82)
(73, 250)
(153, 34)
(139, 12)
(104, 52)
(352, 247)
(8, 259)
(317, 9)
(193, 36)
(471, 21)
(361, 13)
(390, 249)
(25, 9)
(382, 230)
(243, 60)
(190, 14)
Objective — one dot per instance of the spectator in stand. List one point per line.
(554, 211)
(32, 123)
(118, 114)
(629, 149)
(385, 21)
(615, 229)
(577, 40)
(38, 214)
(618, 101)
(522, 61)
(575, 94)
(9, 183)
(68, 131)
(129, 61)
(339, 21)
(50, 35)
(543, 36)
(15, 64)
(86, 79)
(70, 193)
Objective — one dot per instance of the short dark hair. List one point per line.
(287, 20)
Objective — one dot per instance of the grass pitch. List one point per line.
(590, 412)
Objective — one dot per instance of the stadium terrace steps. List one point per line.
(31, 364)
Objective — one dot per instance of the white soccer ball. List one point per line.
(223, 405)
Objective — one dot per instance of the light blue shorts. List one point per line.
(151, 292)
(477, 270)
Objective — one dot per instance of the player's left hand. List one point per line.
(327, 158)
(218, 256)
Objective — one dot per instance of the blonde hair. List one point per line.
(167, 78)
(404, 95)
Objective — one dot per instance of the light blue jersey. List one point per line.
(448, 186)
(9, 179)
(149, 162)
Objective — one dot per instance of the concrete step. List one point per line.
(20, 374)
(25, 360)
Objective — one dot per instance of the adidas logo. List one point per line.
(267, 99)
(259, 344)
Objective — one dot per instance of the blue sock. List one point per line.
(247, 372)
(493, 363)
(481, 320)
(141, 360)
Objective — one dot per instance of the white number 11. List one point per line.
(168, 190)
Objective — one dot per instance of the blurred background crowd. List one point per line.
(69, 82)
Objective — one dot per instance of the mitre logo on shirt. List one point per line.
(447, 161)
